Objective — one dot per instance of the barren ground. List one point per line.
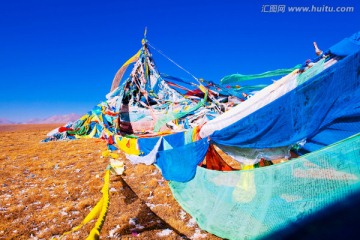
(48, 188)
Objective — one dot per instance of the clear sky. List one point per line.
(60, 56)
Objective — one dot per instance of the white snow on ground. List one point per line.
(198, 234)
(164, 233)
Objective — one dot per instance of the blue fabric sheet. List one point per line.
(175, 140)
(146, 145)
(328, 101)
(179, 164)
(347, 46)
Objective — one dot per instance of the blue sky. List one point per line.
(59, 57)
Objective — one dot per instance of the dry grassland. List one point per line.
(48, 188)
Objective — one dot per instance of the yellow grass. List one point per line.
(48, 188)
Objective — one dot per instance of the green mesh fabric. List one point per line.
(250, 204)
(311, 72)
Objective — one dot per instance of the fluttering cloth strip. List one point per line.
(233, 78)
(119, 74)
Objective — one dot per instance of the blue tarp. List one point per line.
(317, 111)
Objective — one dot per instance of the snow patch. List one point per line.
(164, 233)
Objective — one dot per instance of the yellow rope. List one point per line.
(95, 232)
(100, 209)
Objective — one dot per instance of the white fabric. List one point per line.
(250, 156)
(53, 132)
(117, 167)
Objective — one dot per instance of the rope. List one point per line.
(163, 54)
(95, 232)
(100, 209)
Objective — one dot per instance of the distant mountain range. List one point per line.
(4, 121)
(53, 119)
